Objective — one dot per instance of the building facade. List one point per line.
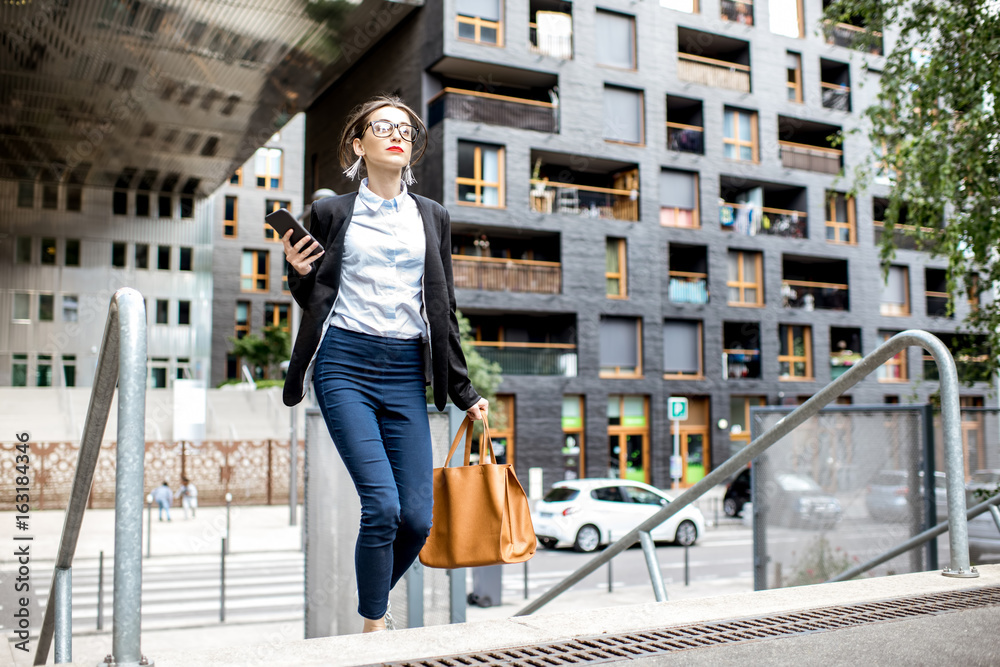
(248, 268)
(646, 202)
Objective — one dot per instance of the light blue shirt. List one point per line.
(381, 283)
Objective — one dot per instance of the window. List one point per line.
(22, 307)
(679, 199)
(745, 281)
(786, 18)
(48, 255)
(163, 257)
(186, 254)
(74, 198)
(229, 226)
(22, 252)
(19, 370)
(276, 315)
(184, 369)
(894, 370)
(284, 278)
(682, 351)
(740, 140)
(616, 269)
(183, 312)
(70, 308)
(46, 307)
(72, 256)
(43, 371)
(237, 177)
(267, 167)
(896, 293)
(270, 206)
(795, 354)
(616, 40)
(688, 6)
(162, 311)
(242, 318)
(69, 370)
(573, 414)
(480, 174)
(187, 207)
(739, 416)
(142, 255)
(621, 347)
(142, 204)
(479, 21)
(118, 255)
(737, 11)
(253, 271)
(50, 196)
(26, 194)
(165, 206)
(623, 115)
(158, 373)
(119, 202)
(793, 63)
(840, 224)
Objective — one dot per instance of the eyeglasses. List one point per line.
(384, 128)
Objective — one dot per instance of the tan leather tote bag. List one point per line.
(481, 514)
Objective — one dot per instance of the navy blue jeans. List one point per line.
(370, 390)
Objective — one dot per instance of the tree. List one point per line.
(937, 132)
(266, 351)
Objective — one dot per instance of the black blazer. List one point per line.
(315, 292)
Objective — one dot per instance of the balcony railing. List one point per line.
(752, 221)
(810, 295)
(688, 287)
(685, 138)
(904, 240)
(491, 109)
(740, 364)
(841, 362)
(585, 200)
(530, 358)
(495, 274)
(712, 72)
(557, 46)
(836, 97)
(971, 368)
(846, 35)
(737, 11)
(812, 158)
(937, 304)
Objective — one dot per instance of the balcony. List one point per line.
(492, 109)
(530, 358)
(970, 352)
(845, 350)
(496, 274)
(685, 138)
(750, 220)
(603, 189)
(835, 84)
(740, 364)
(550, 31)
(711, 72)
(836, 97)
(737, 11)
(814, 283)
(687, 287)
(810, 158)
(848, 36)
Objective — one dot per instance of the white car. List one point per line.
(586, 513)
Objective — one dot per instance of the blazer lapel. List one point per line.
(431, 236)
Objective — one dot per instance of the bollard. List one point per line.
(687, 566)
(149, 526)
(715, 504)
(612, 541)
(222, 583)
(229, 499)
(100, 591)
(525, 580)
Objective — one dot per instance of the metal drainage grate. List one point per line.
(609, 648)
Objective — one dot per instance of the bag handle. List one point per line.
(466, 429)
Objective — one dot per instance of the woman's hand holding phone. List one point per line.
(300, 255)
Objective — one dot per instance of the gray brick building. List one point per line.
(645, 203)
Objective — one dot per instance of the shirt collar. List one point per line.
(375, 202)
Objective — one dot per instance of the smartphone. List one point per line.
(281, 221)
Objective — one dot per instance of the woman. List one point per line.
(378, 325)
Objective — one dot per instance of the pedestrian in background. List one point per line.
(188, 494)
(378, 326)
(163, 497)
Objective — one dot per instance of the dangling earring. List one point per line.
(408, 178)
(352, 171)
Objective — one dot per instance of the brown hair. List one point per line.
(358, 120)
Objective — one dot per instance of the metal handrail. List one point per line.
(122, 362)
(951, 425)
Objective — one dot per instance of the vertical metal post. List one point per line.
(687, 565)
(131, 451)
(222, 582)
(414, 596)
(715, 505)
(229, 499)
(525, 580)
(757, 501)
(149, 525)
(930, 492)
(611, 539)
(456, 594)
(293, 437)
(64, 615)
(649, 550)
(100, 591)
(995, 513)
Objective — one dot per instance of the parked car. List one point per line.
(798, 501)
(737, 494)
(982, 480)
(586, 513)
(984, 540)
(888, 496)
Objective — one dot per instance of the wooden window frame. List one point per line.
(580, 434)
(700, 375)
(478, 24)
(238, 175)
(254, 276)
(624, 431)
(234, 223)
(738, 141)
(747, 404)
(791, 359)
(267, 166)
(742, 285)
(642, 116)
(888, 309)
(797, 84)
(237, 327)
(831, 218)
(696, 211)
(635, 46)
(618, 372)
(269, 234)
(897, 361)
(622, 275)
(477, 179)
(272, 315)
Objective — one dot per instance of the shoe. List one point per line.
(389, 623)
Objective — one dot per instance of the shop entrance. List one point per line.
(628, 437)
